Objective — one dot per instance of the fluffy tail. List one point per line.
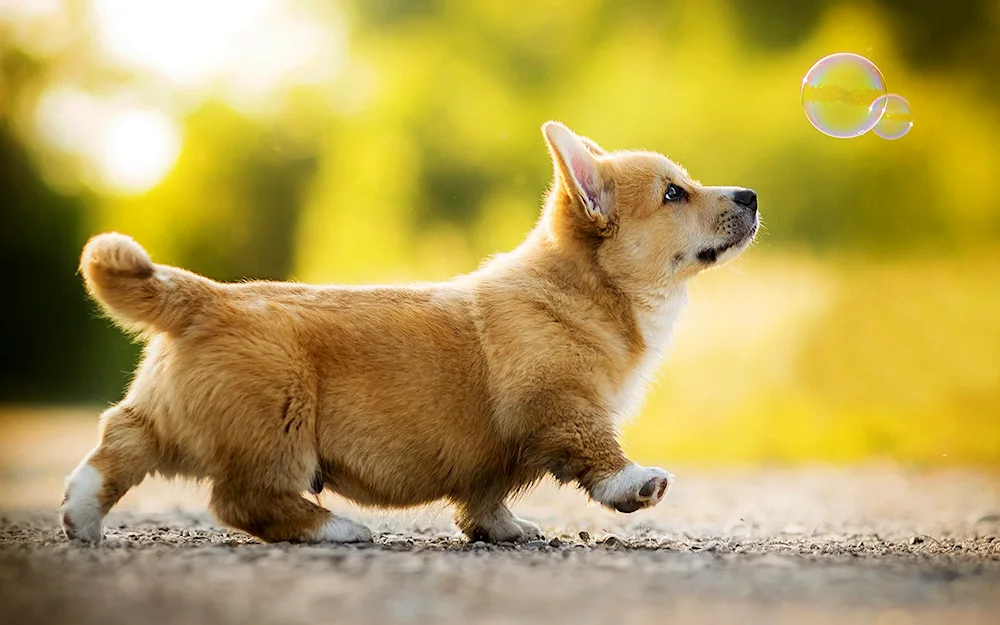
(138, 294)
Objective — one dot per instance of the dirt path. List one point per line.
(811, 545)
(871, 545)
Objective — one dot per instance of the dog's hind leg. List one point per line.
(126, 453)
(493, 522)
(278, 516)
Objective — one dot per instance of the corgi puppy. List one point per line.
(467, 391)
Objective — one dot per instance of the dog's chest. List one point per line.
(656, 325)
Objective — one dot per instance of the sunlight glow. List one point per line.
(139, 148)
(247, 46)
(187, 40)
(129, 148)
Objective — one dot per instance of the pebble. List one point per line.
(555, 542)
(585, 537)
(916, 540)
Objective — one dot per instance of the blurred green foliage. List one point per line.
(417, 153)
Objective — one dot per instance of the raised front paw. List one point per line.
(633, 488)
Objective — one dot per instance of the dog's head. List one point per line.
(649, 223)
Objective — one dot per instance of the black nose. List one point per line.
(746, 197)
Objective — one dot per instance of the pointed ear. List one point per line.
(591, 145)
(578, 172)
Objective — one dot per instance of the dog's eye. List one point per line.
(674, 194)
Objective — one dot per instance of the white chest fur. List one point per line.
(656, 323)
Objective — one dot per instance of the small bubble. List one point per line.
(897, 119)
(844, 95)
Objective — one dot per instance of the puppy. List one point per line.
(468, 390)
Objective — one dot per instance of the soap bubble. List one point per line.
(897, 119)
(844, 95)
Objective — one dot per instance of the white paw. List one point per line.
(81, 514)
(521, 531)
(341, 530)
(633, 488)
(506, 528)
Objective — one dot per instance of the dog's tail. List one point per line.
(136, 293)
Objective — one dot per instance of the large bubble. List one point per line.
(896, 120)
(844, 95)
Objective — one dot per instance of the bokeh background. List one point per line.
(389, 140)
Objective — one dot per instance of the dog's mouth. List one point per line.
(710, 255)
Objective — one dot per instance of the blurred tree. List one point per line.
(230, 205)
(421, 154)
(946, 35)
(49, 332)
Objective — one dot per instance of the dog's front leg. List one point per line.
(586, 451)
(632, 488)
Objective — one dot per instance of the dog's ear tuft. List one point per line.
(578, 172)
(591, 145)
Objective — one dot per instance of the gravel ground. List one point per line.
(817, 545)
(789, 555)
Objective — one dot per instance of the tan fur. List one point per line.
(466, 390)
